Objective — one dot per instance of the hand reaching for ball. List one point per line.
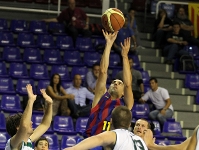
(110, 37)
(126, 46)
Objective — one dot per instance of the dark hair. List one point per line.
(95, 64)
(121, 117)
(156, 81)
(131, 8)
(125, 16)
(52, 84)
(160, 11)
(176, 23)
(180, 8)
(41, 139)
(12, 122)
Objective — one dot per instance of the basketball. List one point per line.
(112, 19)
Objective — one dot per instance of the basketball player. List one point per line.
(41, 144)
(193, 144)
(119, 138)
(19, 126)
(119, 92)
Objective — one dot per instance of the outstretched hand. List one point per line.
(47, 98)
(148, 138)
(126, 46)
(110, 37)
(31, 96)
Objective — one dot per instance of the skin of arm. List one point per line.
(193, 140)
(171, 40)
(46, 121)
(100, 88)
(187, 27)
(127, 77)
(103, 139)
(22, 133)
(161, 24)
(50, 20)
(168, 103)
(168, 29)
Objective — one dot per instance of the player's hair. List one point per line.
(52, 84)
(41, 139)
(155, 79)
(121, 117)
(12, 122)
(148, 124)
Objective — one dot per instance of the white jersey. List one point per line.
(126, 140)
(25, 146)
(197, 136)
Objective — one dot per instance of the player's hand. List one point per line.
(31, 96)
(110, 37)
(47, 98)
(126, 46)
(148, 138)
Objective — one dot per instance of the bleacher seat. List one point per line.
(173, 131)
(53, 141)
(145, 77)
(192, 81)
(45, 41)
(114, 61)
(57, 28)
(81, 123)
(197, 65)
(163, 142)
(64, 43)
(36, 121)
(39, 72)
(136, 62)
(17, 26)
(52, 57)
(27, 1)
(38, 27)
(157, 130)
(32, 55)
(141, 111)
(170, 8)
(10, 103)
(3, 70)
(3, 25)
(6, 86)
(193, 51)
(66, 84)
(146, 88)
(63, 125)
(42, 1)
(68, 141)
(12, 54)
(2, 122)
(42, 84)
(100, 41)
(91, 58)
(18, 70)
(79, 70)
(63, 2)
(73, 58)
(6, 39)
(95, 3)
(62, 70)
(26, 40)
(21, 86)
(84, 44)
(3, 140)
(114, 73)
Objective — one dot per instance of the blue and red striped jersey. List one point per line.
(99, 119)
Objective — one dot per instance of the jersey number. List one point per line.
(106, 126)
(138, 145)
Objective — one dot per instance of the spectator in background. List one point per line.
(133, 26)
(160, 98)
(78, 105)
(41, 144)
(59, 96)
(175, 44)
(91, 77)
(137, 82)
(76, 20)
(162, 25)
(124, 33)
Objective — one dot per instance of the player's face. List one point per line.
(77, 81)
(117, 86)
(153, 85)
(96, 71)
(42, 145)
(140, 127)
(56, 79)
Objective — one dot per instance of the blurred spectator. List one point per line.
(41, 144)
(91, 77)
(78, 105)
(175, 44)
(76, 20)
(186, 26)
(59, 96)
(160, 98)
(137, 82)
(133, 25)
(162, 25)
(124, 33)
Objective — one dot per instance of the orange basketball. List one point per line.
(113, 19)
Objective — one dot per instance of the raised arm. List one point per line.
(46, 121)
(127, 77)
(103, 139)
(25, 123)
(193, 141)
(100, 88)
